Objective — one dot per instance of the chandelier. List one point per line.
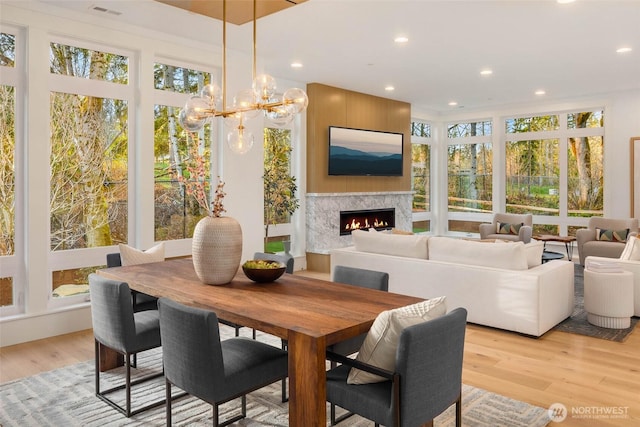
(247, 104)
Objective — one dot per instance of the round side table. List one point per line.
(608, 299)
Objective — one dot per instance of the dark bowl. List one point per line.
(262, 275)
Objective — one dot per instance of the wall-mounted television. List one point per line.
(364, 152)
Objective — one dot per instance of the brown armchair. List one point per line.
(588, 244)
(490, 231)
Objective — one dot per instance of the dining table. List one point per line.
(310, 313)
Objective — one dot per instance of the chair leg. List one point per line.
(459, 411)
(128, 383)
(167, 397)
(285, 398)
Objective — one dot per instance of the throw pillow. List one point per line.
(631, 250)
(534, 253)
(612, 235)
(132, 256)
(380, 344)
(506, 228)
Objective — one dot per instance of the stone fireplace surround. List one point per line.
(323, 215)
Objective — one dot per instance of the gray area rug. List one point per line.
(66, 397)
(578, 324)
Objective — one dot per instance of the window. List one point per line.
(532, 177)
(8, 294)
(421, 175)
(280, 186)
(89, 152)
(176, 215)
(538, 178)
(470, 167)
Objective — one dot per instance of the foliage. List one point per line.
(279, 185)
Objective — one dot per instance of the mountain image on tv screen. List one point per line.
(363, 152)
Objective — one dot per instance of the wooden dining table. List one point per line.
(309, 313)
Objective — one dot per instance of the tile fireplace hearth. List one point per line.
(323, 215)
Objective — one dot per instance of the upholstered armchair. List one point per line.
(605, 237)
(510, 227)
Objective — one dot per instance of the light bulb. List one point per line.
(264, 86)
(245, 100)
(213, 93)
(280, 115)
(190, 123)
(240, 140)
(297, 99)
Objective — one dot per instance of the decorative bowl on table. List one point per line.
(261, 270)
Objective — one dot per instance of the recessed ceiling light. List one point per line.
(486, 72)
(624, 50)
(389, 88)
(453, 103)
(401, 39)
(296, 65)
(540, 92)
(565, 1)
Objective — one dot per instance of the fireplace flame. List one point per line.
(356, 225)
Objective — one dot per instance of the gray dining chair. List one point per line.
(357, 277)
(198, 362)
(115, 325)
(141, 301)
(427, 379)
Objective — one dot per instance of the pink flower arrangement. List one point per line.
(197, 185)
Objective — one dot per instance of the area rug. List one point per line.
(66, 397)
(578, 324)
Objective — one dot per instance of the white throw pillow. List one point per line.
(631, 250)
(380, 344)
(534, 251)
(413, 246)
(132, 256)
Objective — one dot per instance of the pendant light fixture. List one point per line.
(247, 104)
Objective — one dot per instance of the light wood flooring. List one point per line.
(587, 375)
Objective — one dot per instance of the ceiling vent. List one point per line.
(105, 10)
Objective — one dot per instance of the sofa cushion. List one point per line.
(506, 228)
(511, 256)
(631, 250)
(612, 235)
(411, 246)
(381, 342)
(133, 256)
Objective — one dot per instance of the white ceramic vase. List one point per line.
(216, 249)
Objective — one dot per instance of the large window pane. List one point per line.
(7, 170)
(532, 177)
(421, 177)
(88, 171)
(176, 153)
(470, 171)
(280, 185)
(585, 176)
(461, 130)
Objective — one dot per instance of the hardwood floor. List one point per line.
(586, 375)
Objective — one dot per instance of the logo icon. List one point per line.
(557, 412)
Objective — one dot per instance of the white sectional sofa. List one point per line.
(502, 285)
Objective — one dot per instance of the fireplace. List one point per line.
(379, 219)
